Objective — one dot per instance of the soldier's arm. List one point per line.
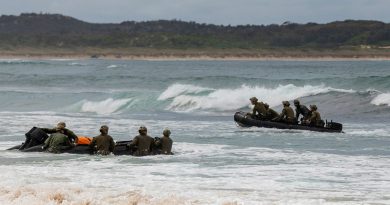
(134, 142)
(93, 143)
(112, 145)
(254, 111)
(71, 136)
(49, 130)
(47, 142)
(313, 116)
(296, 114)
(283, 113)
(68, 143)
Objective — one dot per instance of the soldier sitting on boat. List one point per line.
(287, 114)
(270, 113)
(301, 110)
(259, 111)
(315, 117)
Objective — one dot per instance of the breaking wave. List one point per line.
(382, 99)
(104, 107)
(186, 97)
(178, 89)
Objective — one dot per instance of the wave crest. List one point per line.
(382, 99)
(104, 107)
(178, 89)
(185, 97)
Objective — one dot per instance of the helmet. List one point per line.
(314, 107)
(61, 125)
(286, 103)
(142, 129)
(166, 132)
(253, 99)
(266, 105)
(296, 102)
(104, 129)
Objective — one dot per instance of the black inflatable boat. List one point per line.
(121, 148)
(244, 120)
(36, 137)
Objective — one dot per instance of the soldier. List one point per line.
(315, 118)
(287, 114)
(61, 126)
(143, 142)
(258, 111)
(301, 110)
(270, 113)
(165, 142)
(57, 142)
(103, 144)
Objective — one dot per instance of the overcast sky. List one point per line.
(207, 11)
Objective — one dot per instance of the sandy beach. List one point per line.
(195, 54)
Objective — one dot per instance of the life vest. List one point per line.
(82, 140)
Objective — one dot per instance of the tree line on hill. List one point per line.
(55, 30)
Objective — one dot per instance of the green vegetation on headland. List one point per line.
(57, 35)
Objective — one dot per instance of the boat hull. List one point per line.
(244, 120)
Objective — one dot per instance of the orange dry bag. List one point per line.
(82, 140)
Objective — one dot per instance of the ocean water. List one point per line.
(215, 161)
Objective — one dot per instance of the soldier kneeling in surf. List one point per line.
(163, 145)
(57, 142)
(142, 142)
(37, 136)
(102, 144)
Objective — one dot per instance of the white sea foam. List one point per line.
(382, 99)
(197, 174)
(184, 98)
(112, 66)
(62, 59)
(373, 133)
(107, 106)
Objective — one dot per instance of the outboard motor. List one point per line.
(334, 126)
(34, 137)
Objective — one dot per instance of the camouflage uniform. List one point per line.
(287, 114)
(72, 137)
(302, 110)
(165, 142)
(57, 142)
(315, 118)
(143, 143)
(259, 109)
(271, 114)
(103, 144)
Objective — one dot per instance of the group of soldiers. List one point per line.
(310, 117)
(62, 138)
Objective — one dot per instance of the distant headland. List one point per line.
(32, 35)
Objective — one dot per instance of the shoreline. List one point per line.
(195, 54)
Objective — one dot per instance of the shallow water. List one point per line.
(215, 161)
